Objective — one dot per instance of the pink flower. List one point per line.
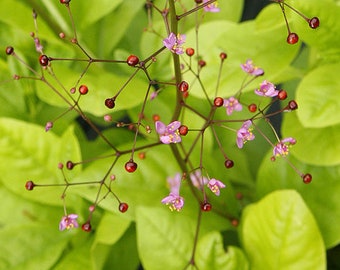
(215, 186)
(244, 134)
(251, 69)
(197, 179)
(211, 7)
(153, 95)
(174, 43)
(232, 104)
(68, 222)
(38, 45)
(267, 89)
(174, 200)
(282, 147)
(48, 126)
(168, 134)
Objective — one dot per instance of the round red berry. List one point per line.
(314, 22)
(132, 60)
(292, 105)
(229, 163)
(252, 107)
(86, 227)
(123, 207)
(218, 101)
(282, 95)
(130, 166)
(206, 207)
(9, 50)
(190, 51)
(110, 103)
(83, 89)
(156, 117)
(29, 185)
(69, 165)
(292, 38)
(234, 222)
(183, 86)
(44, 60)
(65, 1)
(307, 178)
(183, 130)
(223, 55)
(202, 63)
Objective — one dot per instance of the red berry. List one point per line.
(86, 227)
(314, 22)
(83, 89)
(206, 207)
(202, 63)
(307, 178)
(190, 51)
(282, 95)
(69, 165)
(9, 50)
(183, 130)
(130, 166)
(185, 94)
(252, 107)
(218, 101)
(29, 185)
(198, 1)
(132, 60)
(183, 86)
(229, 163)
(44, 60)
(141, 155)
(223, 56)
(110, 103)
(156, 117)
(123, 207)
(234, 222)
(65, 1)
(292, 105)
(292, 38)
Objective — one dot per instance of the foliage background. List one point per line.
(284, 224)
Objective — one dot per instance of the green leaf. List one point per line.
(211, 254)
(31, 247)
(321, 195)
(37, 154)
(312, 142)
(164, 238)
(279, 232)
(315, 96)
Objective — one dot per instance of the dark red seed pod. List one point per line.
(252, 107)
(183, 130)
(282, 95)
(83, 89)
(43, 60)
(198, 1)
(229, 163)
(130, 166)
(69, 165)
(292, 38)
(123, 207)
(132, 60)
(314, 22)
(183, 86)
(9, 50)
(110, 103)
(86, 227)
(202, 63)
(206, 207)
(65, 1)
(307, 178)
(156, 117)
(223, 56)
(218, 101)
(190, 51)
(292, 105)
(29, 185)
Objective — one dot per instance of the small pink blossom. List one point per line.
(249, 68)
(174, 43)
(153, 95)
(38, 45)
(244, 134)
(198, 180)
(211, 7)
(232, 104)
(168, 134)
(282, 147)
(215, 186)
(174, 200)
(267, 89)
(68, 222)
(48, 126)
